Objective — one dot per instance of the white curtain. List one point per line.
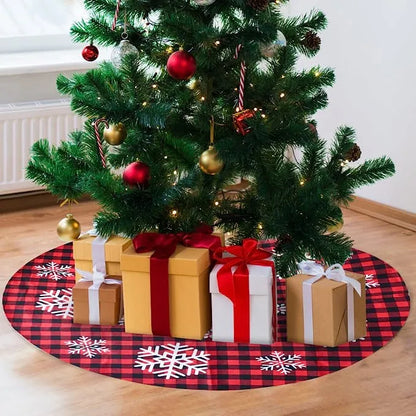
(38, 17)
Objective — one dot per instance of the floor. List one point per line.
(34, 383)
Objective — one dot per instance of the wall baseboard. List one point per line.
(401, 218)
(26, 200)
(29, 200)
(384, 212)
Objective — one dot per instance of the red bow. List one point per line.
(164, 245)
(235, 286)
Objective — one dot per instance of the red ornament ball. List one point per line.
(90, 53)
(137, 173)
(181, 65)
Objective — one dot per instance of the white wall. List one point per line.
(371, 46)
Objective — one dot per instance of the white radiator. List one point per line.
(20, 126)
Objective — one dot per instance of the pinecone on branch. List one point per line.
(353, 154)
(258, 4)
(312, 41)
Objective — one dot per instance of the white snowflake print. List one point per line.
(280, 362)
(54, 271)
(208, 335)
(172, 360)
(87, 346)
(370, 281)
(358, 339)
(281, 309)
(57, 302)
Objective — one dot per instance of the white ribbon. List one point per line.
(97, 278)
(334, 272)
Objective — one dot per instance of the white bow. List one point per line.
(334, 272)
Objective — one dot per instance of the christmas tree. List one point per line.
(198, 95)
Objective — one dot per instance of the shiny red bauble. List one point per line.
(181, 65)
(137, 173)
(90, 53)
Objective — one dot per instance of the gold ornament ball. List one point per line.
(68, 228)
(209, 162)
(115, 134)
(336, 228)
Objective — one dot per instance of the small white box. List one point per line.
(262, 283)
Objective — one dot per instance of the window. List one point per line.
(35, 25)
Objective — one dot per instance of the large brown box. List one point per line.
(189, 297)
(329, 310)
(109, 298)
(114, 246)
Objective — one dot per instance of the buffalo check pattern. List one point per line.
(191, 364)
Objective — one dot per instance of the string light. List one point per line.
(260, 226)
(302, 182)
(174, 213)
(165, 157)
(154, 86)
(217, 43)
(216, 203)
(263, 116)
(175, 172)
(283, 76)
(282, 95)
(144, 103)
(202, 98)
(317, 74)
(255, 108)
(169, 49)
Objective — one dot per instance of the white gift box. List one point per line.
(262, 284)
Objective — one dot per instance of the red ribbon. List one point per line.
(235, 286)
(164, 245)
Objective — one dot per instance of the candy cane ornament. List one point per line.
(242, 78)
(116, 15)
(241, 115)
(96, 125)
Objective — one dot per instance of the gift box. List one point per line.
(243, 295)
(98, 304)
(89, 250)
(189, 302)
(324, 311)
(169, 295)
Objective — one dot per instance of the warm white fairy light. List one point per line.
(302, 182)
(144, 103)
(263, 115)
(216, 203)
(174, 213)
(165, 157)
(202, 98)
(317, 74)
(282, 95)
(217, 43)
(154, 86)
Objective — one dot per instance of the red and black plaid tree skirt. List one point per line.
(38, 303)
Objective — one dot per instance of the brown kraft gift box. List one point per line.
(114, 246)
(189, 297)
(329, 310)
(109, 299)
